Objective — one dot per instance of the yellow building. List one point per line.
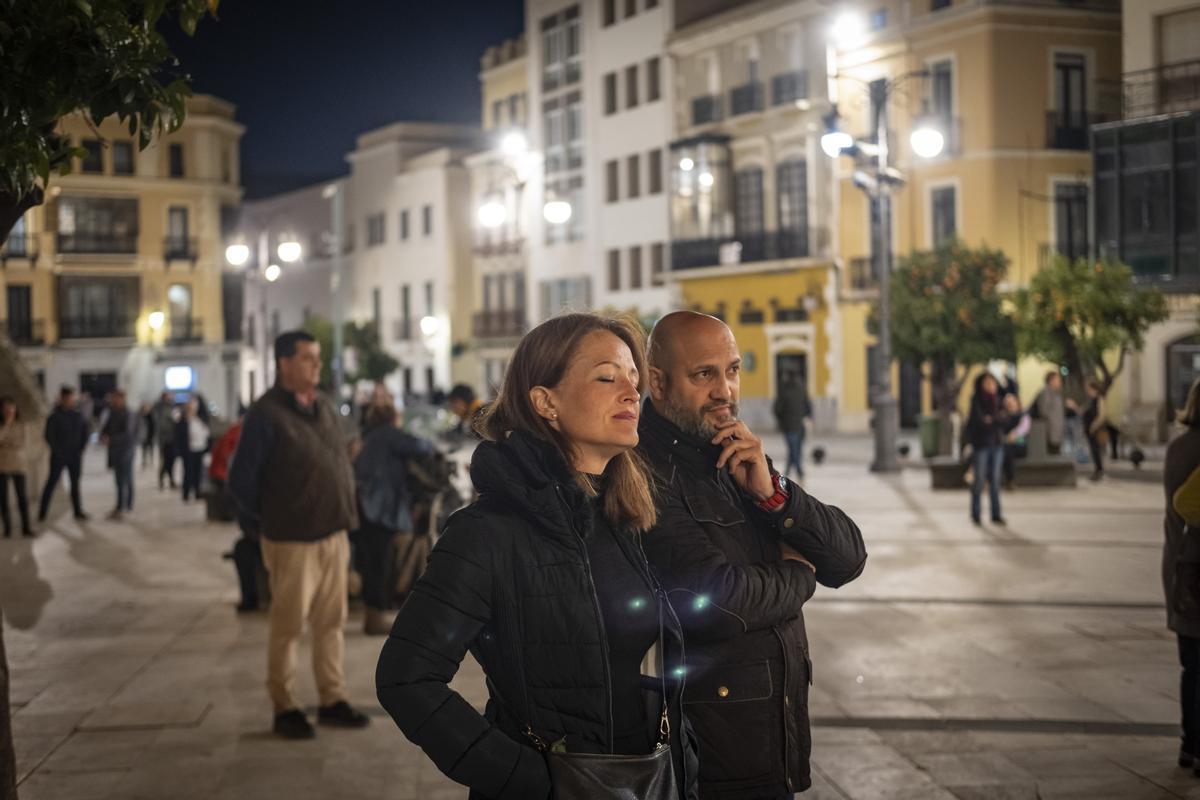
(750, 195)
(1015, 87)
(119, 276)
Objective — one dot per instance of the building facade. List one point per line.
(751, 195)
(1014, 86)
(1147, 209)
(119, 278)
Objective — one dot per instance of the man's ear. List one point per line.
(657, 383)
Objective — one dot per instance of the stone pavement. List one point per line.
(1026, 662)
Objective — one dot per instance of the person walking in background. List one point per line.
(544, 581)
(120, 434)
(463, 403)
(191, 443)
(385, 510)
(1095, 425)
(985, 434)
(12, 465)
(792, 412)
(1051, 407)
(165, 414)
(292, 476)
(67, 435)
(1181, 567)
(149, 438)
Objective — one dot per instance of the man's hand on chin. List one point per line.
(743, 456)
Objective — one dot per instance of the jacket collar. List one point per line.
(664, 439)
(289, 400)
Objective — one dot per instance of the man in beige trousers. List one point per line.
(291, 473)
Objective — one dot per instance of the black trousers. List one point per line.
(375, 559)
(167, 468)
(1189, 692)
(18, 481)
(1097, 453)
(193, 469)
(56, 470)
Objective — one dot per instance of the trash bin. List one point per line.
(929, 427)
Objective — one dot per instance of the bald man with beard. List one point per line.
(739, 549)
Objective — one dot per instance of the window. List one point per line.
(941, 89)
(175, 160)
(93, 157)
(565, 293)
(1070, 92)
(612, 191)
(179, 310)
(406, 311)
(633, 174)
(653, 85)
(631, 86)
(404, 225)
(1071, 219)
(610, 93)
(177, 233)
(97, 224)
(655, 166)
(791, 181)
(575, 198)
(122, 156)
(429, 298)
(97, 306)
(614, 270)
(656, 263)
(375, 230)
(376, 308)
(630, 8)
(748, 191)
(574, 130)
(635, 267)
(944, 225)
(514, 109)
(497, 112)
(552, 120)
(610, 12)
(427, 220)
(560, 49)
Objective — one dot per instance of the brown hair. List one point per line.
(541, 359)
(1190, 415)
(381, 414)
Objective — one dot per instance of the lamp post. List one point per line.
(878, 180)
(238, 254)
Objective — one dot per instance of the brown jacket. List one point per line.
(12, 448)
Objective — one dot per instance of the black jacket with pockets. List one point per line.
(509, 581)
(741, 605)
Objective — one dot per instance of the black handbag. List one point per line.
(603, 776)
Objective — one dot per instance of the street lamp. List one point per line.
(272, 272)
(289, 250)
(557, 212)
(877, 178)
(492, 214)
(237, 254)
(156, 320)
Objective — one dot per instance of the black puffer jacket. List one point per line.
(740, 603)
(509, 580)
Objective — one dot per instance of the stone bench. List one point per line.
(947, 472)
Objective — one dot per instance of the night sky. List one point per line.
(308, 76)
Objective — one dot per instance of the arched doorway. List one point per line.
(1183, 367)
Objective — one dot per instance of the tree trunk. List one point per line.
(11, 209)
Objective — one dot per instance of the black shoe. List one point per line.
(1096, 476)
(8, 534)
(999, 521)
(246, 608)
(976, 521)
(343, 715)
(28, 534)
(1186, 759)
(82, 517)
(293, 725)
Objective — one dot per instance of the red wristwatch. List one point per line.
(775, 501)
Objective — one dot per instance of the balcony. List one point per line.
(706, 109)
(25, 332)
(499, 248)
(188, 330)
(96, 328)
(862, 276)
(748, 248)
(91, 243)
(1070, 130)
(788, 87)
(402, 330)
(19, 247)
(501, 324)
(746, 99)
(179, 248)
(1162, 90)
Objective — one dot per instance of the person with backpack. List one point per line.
(381, 475)
(1181, 567)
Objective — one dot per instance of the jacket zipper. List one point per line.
(787, 708)
(599, 615)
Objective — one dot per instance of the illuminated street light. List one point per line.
(686, 164)
(557, 212)
(492, 214)
(156, 320)
(705, 179)
(237, 254)
(848, 29)
(430, 326)
(514, 144)
(834, 143)
(289, 251)
(927, 139)
(272, 272)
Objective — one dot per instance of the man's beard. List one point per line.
(691, 422)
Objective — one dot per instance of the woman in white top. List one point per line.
(191, 441)
(12, 465)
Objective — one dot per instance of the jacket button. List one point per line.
(789, 522)
(723, 691)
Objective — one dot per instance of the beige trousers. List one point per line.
(308, 583)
